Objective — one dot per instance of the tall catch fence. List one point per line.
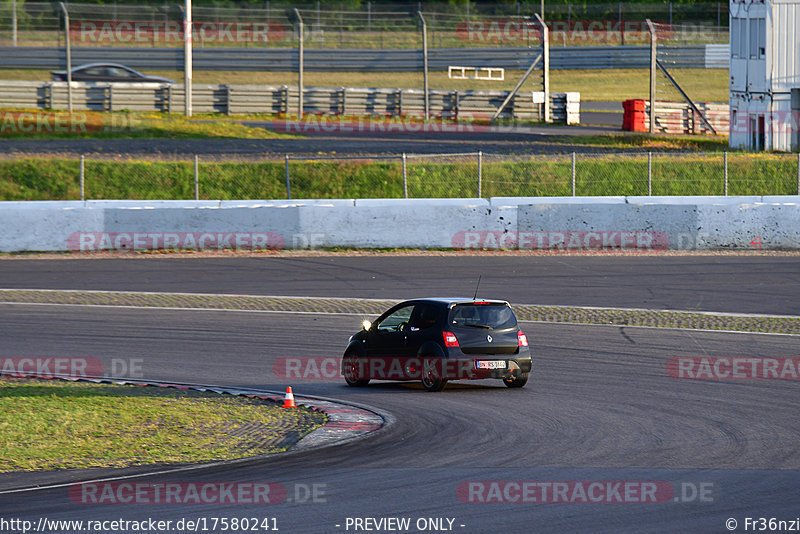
(158, 24)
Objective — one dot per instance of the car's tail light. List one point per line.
(450, 339)
(522, 339)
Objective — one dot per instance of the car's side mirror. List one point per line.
(366, 325)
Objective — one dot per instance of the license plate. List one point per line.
(491, 364)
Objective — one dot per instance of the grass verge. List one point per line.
(55, 425)
(656, 142)
(36, 124)
(456, 177)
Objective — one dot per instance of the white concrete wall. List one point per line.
(616, 223)
(775, 225)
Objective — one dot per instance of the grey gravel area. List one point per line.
(525, 312)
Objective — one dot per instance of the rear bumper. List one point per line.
(468, 364)
(457, 366)
(472, 367)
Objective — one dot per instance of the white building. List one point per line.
(765, 74)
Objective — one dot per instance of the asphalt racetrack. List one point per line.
(601, 412)
(751, 283)
(523, 140)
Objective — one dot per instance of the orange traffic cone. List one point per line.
(288, 401)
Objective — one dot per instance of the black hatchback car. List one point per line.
(107, 72)
(435, 340)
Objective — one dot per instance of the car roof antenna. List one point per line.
(477, 286)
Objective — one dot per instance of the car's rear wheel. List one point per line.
(350, 371)
(516, 380)
(431, 380)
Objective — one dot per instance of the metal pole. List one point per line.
(187, 58)
(405, 176)
(725, 187)
(288, 189)
(798, 173)
(69, 56)
(13, 22)
(425, 60)
(196, 177)
(299, 65)
(573, 174)
(651, 27)
(516, 88)
(480, 173)
(83, 178)
(689, 101)
(649, 174)
(546, 64)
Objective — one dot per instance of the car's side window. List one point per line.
(425, 316)
(396, 320)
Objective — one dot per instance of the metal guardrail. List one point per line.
(679, 118)
(368, 60)
(718, 56)
(242, 99)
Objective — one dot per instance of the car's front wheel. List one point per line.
(516, 380)
(350, 371)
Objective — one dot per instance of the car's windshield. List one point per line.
(486, 316)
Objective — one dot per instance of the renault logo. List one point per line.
(489, 339)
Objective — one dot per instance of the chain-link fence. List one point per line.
(671, 77)
(469, 175)
(364, 25)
